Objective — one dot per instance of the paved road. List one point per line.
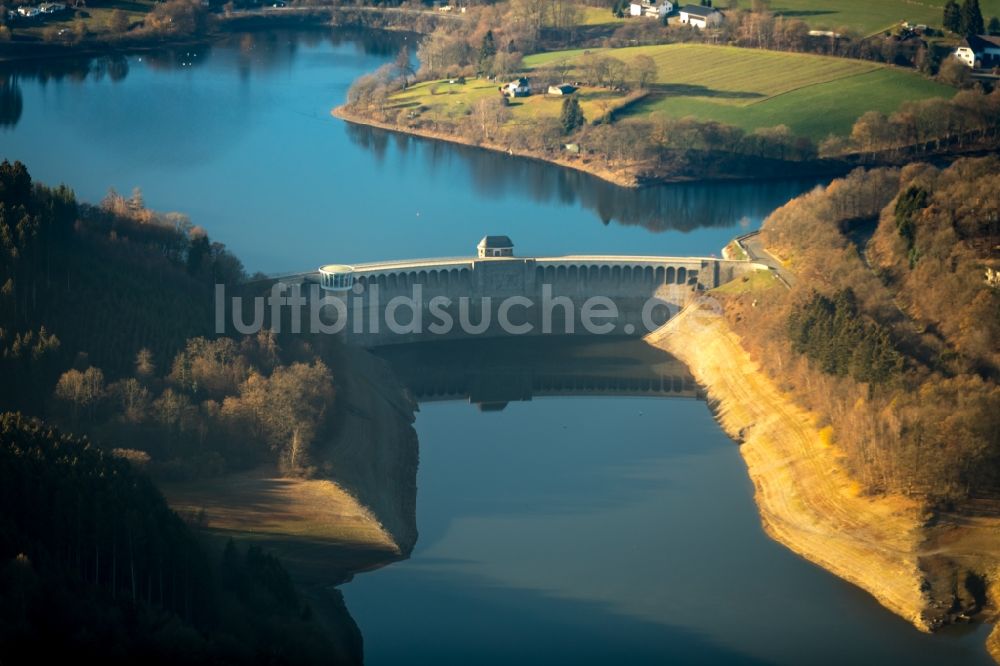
(754, 246)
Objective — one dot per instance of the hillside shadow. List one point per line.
(694, 90)
(801, 13)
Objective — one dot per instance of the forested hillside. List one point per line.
(892, 335)
(94, 565)
(95, 284)
(107, 325)
(106, 329)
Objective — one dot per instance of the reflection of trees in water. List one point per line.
(257, 50)
(273, 48)
(11, 102)
(178, 58)
(115, 67)
(682, 206)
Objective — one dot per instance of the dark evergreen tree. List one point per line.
(830, 332)
(487, 52)
(972, 18)
(571, 116)
(993, 27)
(952, 16)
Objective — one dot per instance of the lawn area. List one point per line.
(597, 16)
(813, 95)
(869, 16)
(757, 281)
(440, 100)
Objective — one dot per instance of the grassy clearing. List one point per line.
(869, 16)
(756, 281)
(814, 95)
(264, 503)
(443, 101)
(735, 251)
(598, 16)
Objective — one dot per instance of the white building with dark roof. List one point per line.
(979, 51)
(699, 16)
(650, 8)
(495, 246)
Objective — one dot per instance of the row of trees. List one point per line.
(970, 119)
(966, 19)
(222, 405)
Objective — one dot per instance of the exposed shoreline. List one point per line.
(626, 177)
(807, 501)
(604, 174)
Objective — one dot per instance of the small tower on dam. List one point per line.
(495, 246)
(336, 277)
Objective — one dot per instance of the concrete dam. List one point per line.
(497, 294)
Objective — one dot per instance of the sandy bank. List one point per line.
(805, 497)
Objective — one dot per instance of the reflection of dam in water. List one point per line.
(492, 372)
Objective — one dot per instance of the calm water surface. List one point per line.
(556, 530)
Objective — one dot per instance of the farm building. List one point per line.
(979, 51)
(517, 88)
(650, 8)
(700, 17)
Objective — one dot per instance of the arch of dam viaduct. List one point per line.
(484, 284)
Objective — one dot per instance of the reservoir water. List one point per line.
(562, 529)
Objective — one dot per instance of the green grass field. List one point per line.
(868, 16)
(597, 16)
(814, 95)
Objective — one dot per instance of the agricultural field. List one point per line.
(813, 95)
(867, 16)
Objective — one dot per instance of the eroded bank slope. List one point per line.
(932, 568)
(358, 513)
(805, 497)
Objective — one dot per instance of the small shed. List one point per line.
(562, 89)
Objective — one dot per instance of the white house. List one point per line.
(495, 246)
(51, 7)
(517, 88)
(650, 8)
(700, 17)
(979, 51)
